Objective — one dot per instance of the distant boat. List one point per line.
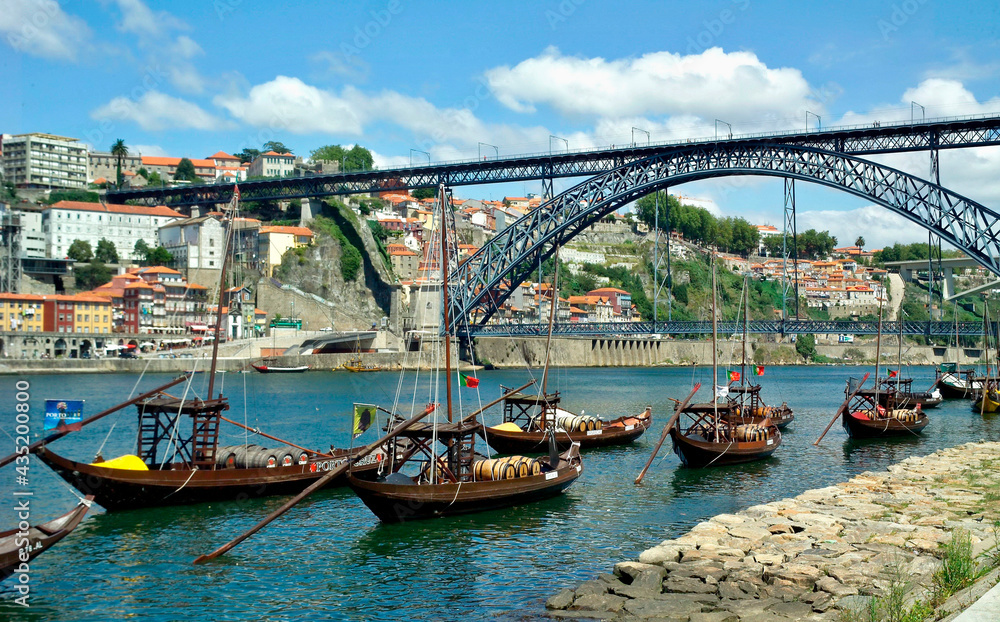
(15, 543)
(266, 366)
(357, 365)
(867, 417)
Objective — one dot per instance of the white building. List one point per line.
(228, 168)
(32, 234)
(195, 243)
(123, 225)
(272, 164)
(44, 161)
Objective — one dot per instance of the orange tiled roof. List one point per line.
(288, 230)
(169, 161)
(136, 210)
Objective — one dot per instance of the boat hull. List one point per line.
(38, 538)
(957, 388)
(120, 489)
(860, 426)
(991, 406)
(264, 369)
(696, 452)
(615, 432)
(396, 503)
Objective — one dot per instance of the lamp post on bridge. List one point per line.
(481, 145)
(419, 151)
(557, 138)
(717, 122)
(819, 120)
(641, 130)
(913, 105)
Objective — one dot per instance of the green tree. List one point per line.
(185, 171)
(141, 250)
(745, 237)
(159, 256)
(120, 152)
(357, 158)
(106, 252)
(85, 196)
(80, 250)
(805, 345)
(275, 146)
(248, 155)
(860, 243)
(423, 193)
(91, 275)
(9, 190)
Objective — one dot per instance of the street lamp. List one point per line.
(419, 151)
(641, 130)
(495, 148)
(717, 122)
(819, 121)
(922, 111)
(557, 138)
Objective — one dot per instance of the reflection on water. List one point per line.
(330, 556)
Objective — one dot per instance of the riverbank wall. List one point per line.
(885, 542)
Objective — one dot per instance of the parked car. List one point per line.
(127, 354)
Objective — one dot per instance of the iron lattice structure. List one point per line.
(775, 327)
(936, 134)
(484, 281)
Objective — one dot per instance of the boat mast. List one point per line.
(746, 319)
(878, 350)
(222, 289)
(715, 357)
(552, 317)
(442, 196)
(958, 348)
(899, 355)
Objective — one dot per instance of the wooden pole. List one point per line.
(841, 410)
(275, 438)
(666, 430)
(319, 483)
(59, 433)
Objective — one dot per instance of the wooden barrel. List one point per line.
(242, 455)
(302, 457)
(285, 457)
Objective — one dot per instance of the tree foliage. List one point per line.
(80, 250)
(423, 193)
(810, 245)
(85, 196)
(357, 158)
(106, 252)
(248, 155)
(275, 146)
(141, 249)
(91, 275)
(185, 171)
(120, 151)
(805, 345)
(159, 256)
(910, 252)
(732, 235)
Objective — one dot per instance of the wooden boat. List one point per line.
(867, 417)
(440, 472)
(178, 459)
(900, 392)
(987, 400)
(356, 364)
(267, 366)
(746, 406)
(16, 544)
(526, 418)
(953, 382)
(705, 435)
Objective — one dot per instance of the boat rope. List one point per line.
(457, 490)
(119, 413)
(173, 433)
(246, 428)
(193, 471)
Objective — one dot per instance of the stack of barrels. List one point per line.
(751, 433)
(256, 457)
(906, 416)
(510, 467)
(574, 423)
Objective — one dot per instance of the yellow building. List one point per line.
(273, 242)
(92, 314)
(22, 312)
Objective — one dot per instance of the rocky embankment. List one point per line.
(823, 555)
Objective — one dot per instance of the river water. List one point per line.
(329, 558)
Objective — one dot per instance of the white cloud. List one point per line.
(41, 28)
(713, 84)
(879, 226)
(290, 104)
(149, 150)
(139, 19)
(157, 111)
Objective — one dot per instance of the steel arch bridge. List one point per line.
(483, 282)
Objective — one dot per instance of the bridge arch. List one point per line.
(513, 253)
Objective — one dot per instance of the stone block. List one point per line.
(599, 602)
(715, 616)
(562, 600)
(688, 585)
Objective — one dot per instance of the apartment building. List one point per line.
(122, 225)
(44, 161)
(272, 164)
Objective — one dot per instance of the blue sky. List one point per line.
(189, 78)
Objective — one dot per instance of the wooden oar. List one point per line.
(61, 432)
(666, 430)
(319, 483)
(841, 410)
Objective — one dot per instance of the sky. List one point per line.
(417, 81)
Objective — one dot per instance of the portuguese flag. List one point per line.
(758, 370)
(734, 376)
(468, 381)
(893, 373)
